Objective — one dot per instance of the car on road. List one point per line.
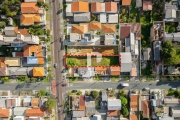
(74, 91)
(1, 82)
(55, 65)
(109, 89)
(124, 84)
(146, 88)
(173, 88)
(64, 84)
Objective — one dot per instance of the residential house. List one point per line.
(134, 102)
(18, 118)
(35, 102)
(113, 18)
(126, 2)
(68, 10)
(5, 113)
(78, 103)
(110, 39)
(170, 14)
(78, 114)
(113, 107)
(3, 102)
(90, 106)
(86, 72)
(97, 7)
(95, 26)
(114, 71)
(34, 112)
(79, 7)
(157, 49)
(104, 95)
(32, 13)
(171, 11)
(145, 107)
(175, 112)
(13, 35)
(101, 71)
(126, 62)
(108, 28)
(38, 72)
(146, 54)
(4, 71)
(171, 102)
(27, 101)
(33, 55)
(12, 62)
(133, 116)
(82, 17)
(138, 3)
(125, 31)
(147, 5)
(30, 0)
(111, 7)
(20, 111)
(12, 102)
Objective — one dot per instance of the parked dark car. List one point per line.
(74, 91)
(1, 82)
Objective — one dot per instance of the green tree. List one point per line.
(42, 93)
(79, 93)
(87, 93)
(122, 93)
(64, 6)
(50, 103)
(123, 100)
(95, 94)
(172, 29)
(40, 4)
(5, 79)
(124, 111)
(171, 78)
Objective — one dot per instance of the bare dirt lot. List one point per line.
(82, 50)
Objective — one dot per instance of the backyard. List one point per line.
(81, 50)
(82, 61)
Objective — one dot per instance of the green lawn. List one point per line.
(47, 17)
(82, 61)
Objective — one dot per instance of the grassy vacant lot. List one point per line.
(82, 61)
(88, 49)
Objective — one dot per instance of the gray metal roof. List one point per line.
(157, 48)
(176, 112)
(109, 39)
(104, 95)
(3, 102)
(138, 3)
(78, 113)
(126, 61)
(170, 13)
(86, 72)
(114, 104)
(82, 17)
(9, 31)
(19, 111)
(127, 45)
(147, 54)
(172, 36)
(112, 18)
(153, 102)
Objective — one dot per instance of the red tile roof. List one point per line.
(113, 112)
(147, 4)
(115, 71)
(126, 2)
(53, 87)
(4, 113)
(133, 117)
(145, 108)
(96, 7)
(81, 103)
(29, 7)
(125, 31)
(111, 7)
(34, 112)
(80, 6)
(134, 102)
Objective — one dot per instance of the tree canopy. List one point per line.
(124, 111)
(123, 100)
(95, 94)
(50, 103)
(170, 53)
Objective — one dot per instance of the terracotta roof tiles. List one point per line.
(126, 2)
(33, 50)
(147, 4)
(4, 113)
(29, 7)
(35, 102)
(145, 108)
(110, 6)
(77, 29)
(115, 71)
(34, 112)
(24, 31)
(2, 62)
(133, 117)
(125, 31)
(95, 25)
(38, 71)
(80, 6)
(96, 7)
(108, 28)
(29, 19)
(113, 112)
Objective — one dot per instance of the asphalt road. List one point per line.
(58, 54)
(116, 85)
(25, 86)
